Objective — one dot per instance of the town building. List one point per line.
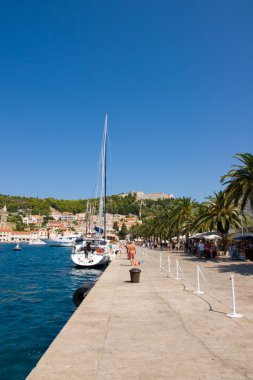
(9, 236)
(33, 219)
(5, 235)
(67, 217)
(56, 215)
(20, 236)
(140, 195)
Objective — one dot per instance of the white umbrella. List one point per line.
(198, 236)
(212, 237)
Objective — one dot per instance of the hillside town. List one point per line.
(59, 223)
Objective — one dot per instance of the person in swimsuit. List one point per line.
(131, 252)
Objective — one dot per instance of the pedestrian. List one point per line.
(120, 249)
(232, 251)
(201, 249)
(87, 249)
(131, 252)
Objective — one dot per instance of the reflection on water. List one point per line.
(85, 272)
(37, 285)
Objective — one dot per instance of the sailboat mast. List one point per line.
(105, 156)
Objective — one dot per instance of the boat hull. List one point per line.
(64, 241)
(93, 261)
(37, 242)
(55, 243)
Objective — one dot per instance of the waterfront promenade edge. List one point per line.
(158, 328)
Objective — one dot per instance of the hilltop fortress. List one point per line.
(140, 195)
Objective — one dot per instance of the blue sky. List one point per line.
(175, 78)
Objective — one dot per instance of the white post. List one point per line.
(198, 291)
(234, 314)
(169, 269)
(177, 269)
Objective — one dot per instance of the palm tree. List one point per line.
(219, 214)
(183, 215)
(240, 181)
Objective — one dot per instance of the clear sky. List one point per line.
(175, 77)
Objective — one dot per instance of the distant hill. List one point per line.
(116, 204)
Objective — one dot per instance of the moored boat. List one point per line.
(92, 254)
(17, 248)
(65, 241)
(36, 242)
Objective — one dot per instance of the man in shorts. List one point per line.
(131, 252)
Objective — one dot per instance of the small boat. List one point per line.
(17, 248)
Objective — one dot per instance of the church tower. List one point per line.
(3, 217)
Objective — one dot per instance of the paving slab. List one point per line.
(158, 328)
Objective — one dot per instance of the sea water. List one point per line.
(36, 289)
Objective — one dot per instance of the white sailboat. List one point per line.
(92, 253)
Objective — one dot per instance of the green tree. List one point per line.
(182, 215)
(123, 232)
(46, 219)
(31, 226)
(115, 226)
(219, 214)
(240, 181)
(20, 226)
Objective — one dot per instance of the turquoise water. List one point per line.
(37, 285)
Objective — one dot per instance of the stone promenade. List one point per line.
(158, 328)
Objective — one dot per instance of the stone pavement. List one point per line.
(158, 328)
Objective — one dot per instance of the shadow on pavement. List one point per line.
(243, 268)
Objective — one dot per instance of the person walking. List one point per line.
(131, 252)
(233, 251)
(201, 249)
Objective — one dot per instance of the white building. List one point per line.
(5, 235)
(33, 219)
(9, 236)
(67, 217)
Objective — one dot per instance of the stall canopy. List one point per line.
(206, 236)
(213, 237)
(246, 236)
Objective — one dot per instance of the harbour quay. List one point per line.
(161, 327)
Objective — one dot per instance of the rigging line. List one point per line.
(108, 190)
(96, 191)
(109, 147)
(96, 186)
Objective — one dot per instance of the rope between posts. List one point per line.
(164, 269)
(200, 271)
(215, 287)
(181, 270)
(234, 314)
